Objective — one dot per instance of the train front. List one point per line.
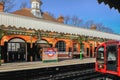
(100, 59)
(108, 58)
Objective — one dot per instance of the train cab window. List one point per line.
(100, 54)
(112, 53)
(111, 56)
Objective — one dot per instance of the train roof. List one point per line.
(112, 42)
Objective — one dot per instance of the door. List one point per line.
(16, 51)
(70, 52)
(111, 60)
(91, 51)
(87, 51)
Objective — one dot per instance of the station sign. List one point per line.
(49, 54)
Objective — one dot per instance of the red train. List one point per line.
(108, 58)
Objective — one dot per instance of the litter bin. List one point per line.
(81, 55)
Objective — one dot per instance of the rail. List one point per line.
(71, 72)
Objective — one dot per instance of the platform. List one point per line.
(7, 67)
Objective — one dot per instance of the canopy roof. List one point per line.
(45, 25)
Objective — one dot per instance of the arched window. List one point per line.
(61, 46)
(15, 44)
(17, 40)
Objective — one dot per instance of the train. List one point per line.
(108, 58)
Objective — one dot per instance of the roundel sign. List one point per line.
(50, 52)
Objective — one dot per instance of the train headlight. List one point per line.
(100, 66)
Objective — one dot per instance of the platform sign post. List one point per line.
(49, 55)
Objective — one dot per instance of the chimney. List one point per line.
(1, 7)
(60, 19)
(93, 27)
(36, 8)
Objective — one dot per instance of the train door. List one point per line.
(112, 56)
(16, 50)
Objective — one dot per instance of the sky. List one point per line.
(84, 9)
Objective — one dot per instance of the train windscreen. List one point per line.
(111, 53)
(111, 61)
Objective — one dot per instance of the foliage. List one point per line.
(1, 33)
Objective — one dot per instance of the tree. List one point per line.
(66, 19)
(23, 5)
(1, 0)
(8, 5)
(76, 21)
(89, 23)
(102, 28)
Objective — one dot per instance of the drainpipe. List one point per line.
(0, 55)
(0, 44)
(2, 33)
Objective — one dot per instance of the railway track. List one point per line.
(71, 72)
(77, 75)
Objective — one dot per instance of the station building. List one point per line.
(25, 32)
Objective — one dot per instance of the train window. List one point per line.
(111, 53)
(111, 56)
(100, 54)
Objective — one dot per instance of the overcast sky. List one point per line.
(84, 9)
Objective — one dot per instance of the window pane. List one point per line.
(100, 55)
(75, 47)
(61, 46)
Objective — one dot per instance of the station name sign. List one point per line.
(50, 52)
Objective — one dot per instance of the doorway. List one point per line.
(87, 51)
(16, 50)
(91, 51)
